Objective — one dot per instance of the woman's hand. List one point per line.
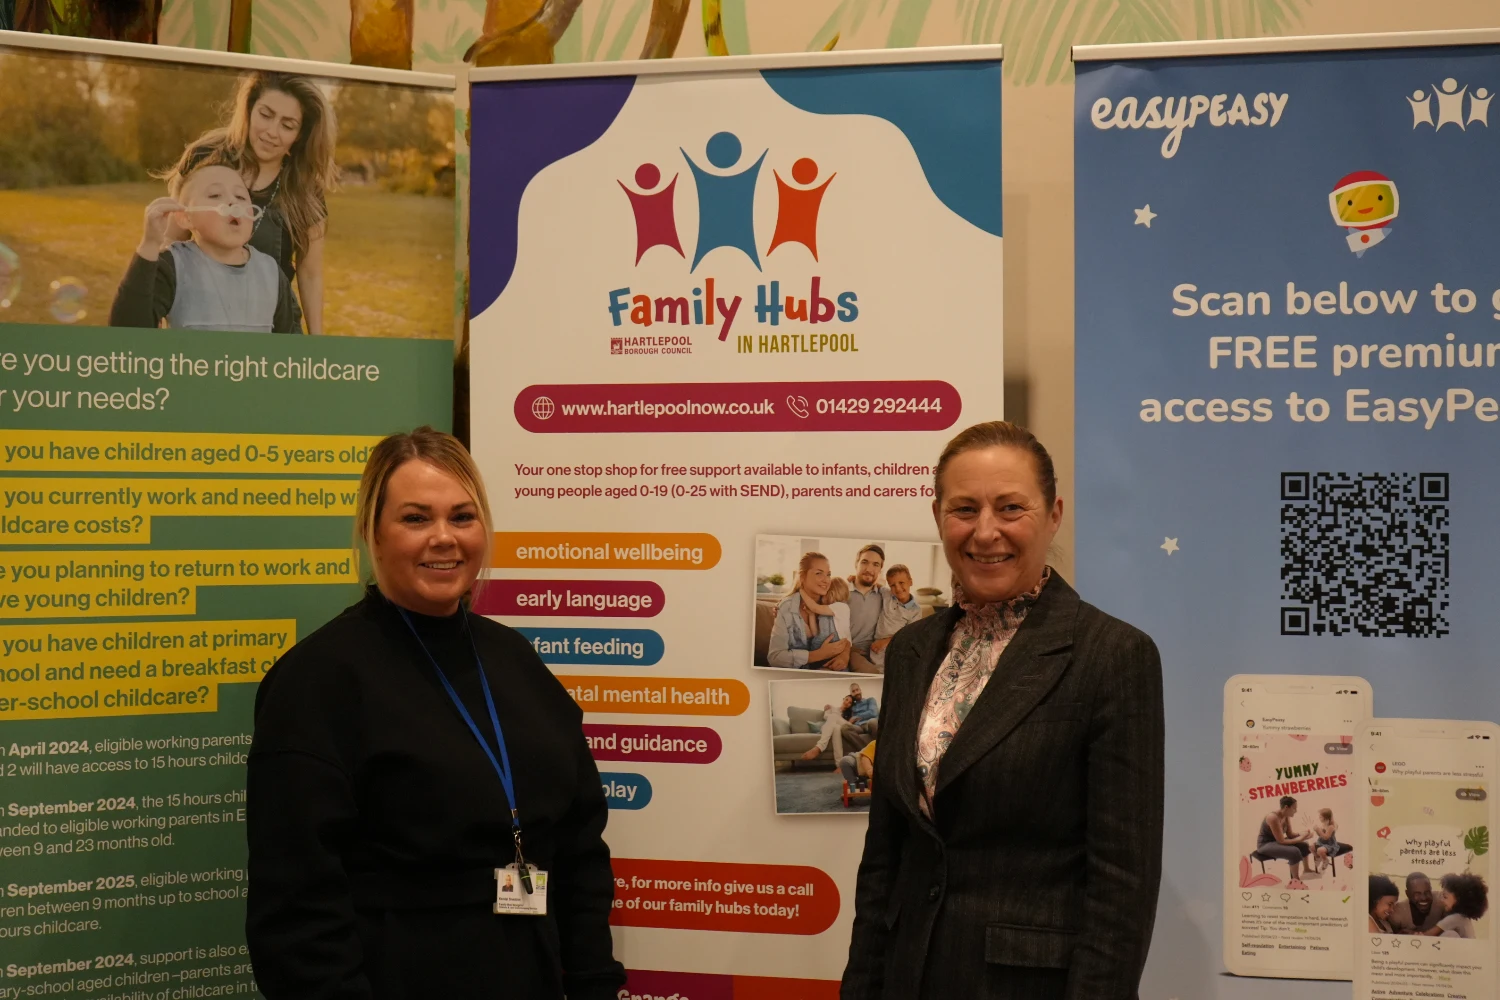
(158, 219)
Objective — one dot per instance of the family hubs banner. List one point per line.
(704, 296)
(1287, 341)
(176, 492)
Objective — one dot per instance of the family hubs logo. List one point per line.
(725, 185)
(1177, 113)
(1449, 99)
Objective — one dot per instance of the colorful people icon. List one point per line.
(655, 221)
(1364, 203)
(726, 202)
(797, 207)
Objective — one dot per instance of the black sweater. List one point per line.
(375, 820)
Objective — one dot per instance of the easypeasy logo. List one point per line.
(725, 189)
(1178, 113)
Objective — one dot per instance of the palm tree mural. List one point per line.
(1038, 34)
(521, 32)
(380, 33)
(118, 20)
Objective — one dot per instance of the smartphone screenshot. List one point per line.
(1291, 796)
(1427, 808)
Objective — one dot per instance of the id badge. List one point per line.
(511, 896)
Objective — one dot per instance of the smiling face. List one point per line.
(900, 584)
(1382, 908)
(275, 123)
(867, 567)
(995, 522)
(816, 579)
(1419, 892)
(1366, 204)
(856, 693)
(219, 207)
(429, 539)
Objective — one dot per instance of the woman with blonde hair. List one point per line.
(411, 756)
(804, 635)
(280, 137)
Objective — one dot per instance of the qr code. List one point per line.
(1364, 553)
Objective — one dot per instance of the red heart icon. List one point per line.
(1384, 833)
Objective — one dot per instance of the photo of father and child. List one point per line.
(834, 604)
(1462, 899)
(823, 734)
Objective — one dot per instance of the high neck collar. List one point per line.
(425, 624)
(1015, 607)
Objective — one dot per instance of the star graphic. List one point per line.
(1169, 546)
(1143, 216)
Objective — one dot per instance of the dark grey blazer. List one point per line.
(1038, 879)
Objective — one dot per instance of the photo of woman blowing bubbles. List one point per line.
(280, 136)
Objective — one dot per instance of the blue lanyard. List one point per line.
(502, 765)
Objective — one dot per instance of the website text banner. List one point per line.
(175, 512)
(1287, 385)
(720, 321)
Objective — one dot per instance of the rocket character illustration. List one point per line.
(1364, 203)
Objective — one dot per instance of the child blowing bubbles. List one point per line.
(213, 281)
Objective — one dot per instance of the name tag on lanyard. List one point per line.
(520, 888)
(511, 897)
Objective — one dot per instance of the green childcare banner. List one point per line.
(175, 513)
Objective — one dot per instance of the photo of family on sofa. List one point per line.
(834, 604)
(823, 734)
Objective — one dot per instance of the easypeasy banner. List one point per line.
(1287, 407)
(705, 299)
(177, 481)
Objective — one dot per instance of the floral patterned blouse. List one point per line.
(979, 638)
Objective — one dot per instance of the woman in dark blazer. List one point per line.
(1014, 847)
(377, 820)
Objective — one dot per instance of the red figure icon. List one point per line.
(797, 207)
(655, 223)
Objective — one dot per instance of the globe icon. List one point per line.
(542, 408)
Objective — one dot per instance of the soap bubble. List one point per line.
(10, 276)
(67, 300)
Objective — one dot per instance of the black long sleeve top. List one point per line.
(375, 820)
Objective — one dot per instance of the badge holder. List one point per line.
(512, 894)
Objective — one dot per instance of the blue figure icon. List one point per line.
(726, 202)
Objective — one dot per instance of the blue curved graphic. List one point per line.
(949, 112)
(630, 647)
(625, 789)
(518, 129)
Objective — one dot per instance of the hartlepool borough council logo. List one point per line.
(724, 179)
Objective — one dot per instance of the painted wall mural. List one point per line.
(437, 35)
